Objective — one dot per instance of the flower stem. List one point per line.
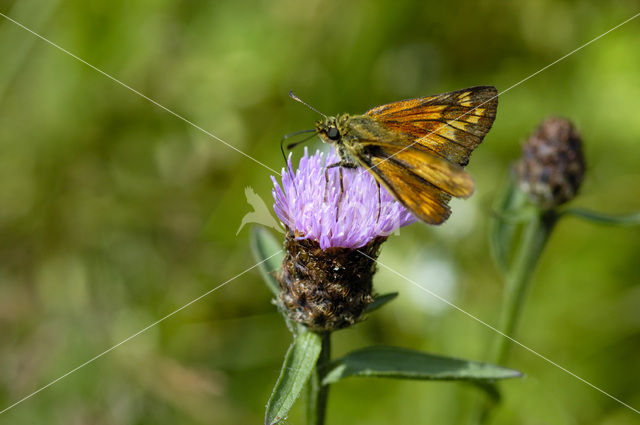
(318, 393)
(517, 280)
(518, 277)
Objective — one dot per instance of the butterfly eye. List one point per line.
(333, 133)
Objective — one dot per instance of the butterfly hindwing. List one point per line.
(421, 181)
(424, 164)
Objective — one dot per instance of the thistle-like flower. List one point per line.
(552, 164)
(333, 236)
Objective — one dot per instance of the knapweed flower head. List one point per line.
(552, 164)
(314, 208)
(334, 231)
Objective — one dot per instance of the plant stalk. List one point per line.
(534, 239)
(317, 393)
(518, 278)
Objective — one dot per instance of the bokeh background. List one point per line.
(114, 213)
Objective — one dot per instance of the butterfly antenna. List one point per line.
(297, 99)
(286, 164)
(284, 157)
(294, 144)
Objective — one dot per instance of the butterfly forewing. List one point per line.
(452, 124)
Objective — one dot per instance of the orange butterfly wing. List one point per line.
(425, 201)
(451, 125)
(448, 177)
(421, 181)
(431, 140)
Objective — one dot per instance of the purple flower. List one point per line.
(313, 211)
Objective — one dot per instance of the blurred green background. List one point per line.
(113, 212)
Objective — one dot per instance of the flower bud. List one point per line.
(552, 165)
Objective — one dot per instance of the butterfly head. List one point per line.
(332, 129)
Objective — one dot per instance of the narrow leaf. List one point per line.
(298, 364)
(263, 245)
(402, 363)
(596, 217)
(380, 300)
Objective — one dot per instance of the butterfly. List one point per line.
(418, 148)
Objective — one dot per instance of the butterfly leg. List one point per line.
(340, 195)
(326, 183)
(341, 165)
(379, 201)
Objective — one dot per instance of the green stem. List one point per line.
(533, 241)
(518, 278)
(317, 393)
(600, 218)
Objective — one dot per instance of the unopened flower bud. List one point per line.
(552, 164)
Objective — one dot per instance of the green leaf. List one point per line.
(380, 300)
(298, 364)
(402, 363)
(263, 245)
(507, 212)
(615, 220)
